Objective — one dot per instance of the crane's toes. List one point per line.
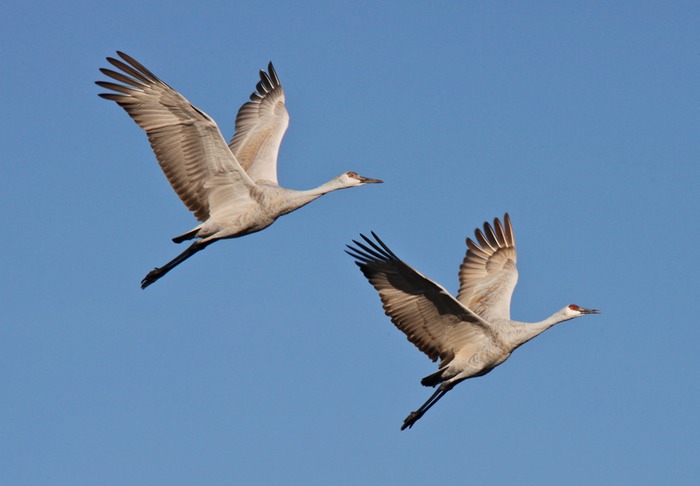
(152, 276)
(410, 420)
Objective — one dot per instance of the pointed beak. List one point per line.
(588, 311)
(367, 180)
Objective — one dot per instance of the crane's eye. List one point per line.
(574, 307)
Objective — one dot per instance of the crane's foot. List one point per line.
(411, 419)
(152, 276)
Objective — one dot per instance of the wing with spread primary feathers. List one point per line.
(186, 141)
(260, 126)
(488, 274)
(434, 321)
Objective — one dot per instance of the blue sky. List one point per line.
(268, 359)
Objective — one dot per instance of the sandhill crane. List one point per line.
(231, 189)
(471, 334)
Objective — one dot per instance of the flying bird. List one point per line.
(231, 188)
(472, 333)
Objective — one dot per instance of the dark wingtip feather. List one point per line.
(370, 251)
(273, 74)
(360, 260)
(379, 249)
(384, 246)
(112, 96)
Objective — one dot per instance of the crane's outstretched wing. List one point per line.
(260, 126)
(488, 273)
(186, 141)
(430, 317)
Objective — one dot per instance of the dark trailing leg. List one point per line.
(414, 416)
(157, 273)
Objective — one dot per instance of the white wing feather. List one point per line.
(488, 274)
(260, 126)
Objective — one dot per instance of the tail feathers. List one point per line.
(186, 236)
(434, 379)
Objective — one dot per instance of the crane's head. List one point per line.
(572, 310)
(350, 179)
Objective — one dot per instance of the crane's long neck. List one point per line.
(523, 332)
(297, 199)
